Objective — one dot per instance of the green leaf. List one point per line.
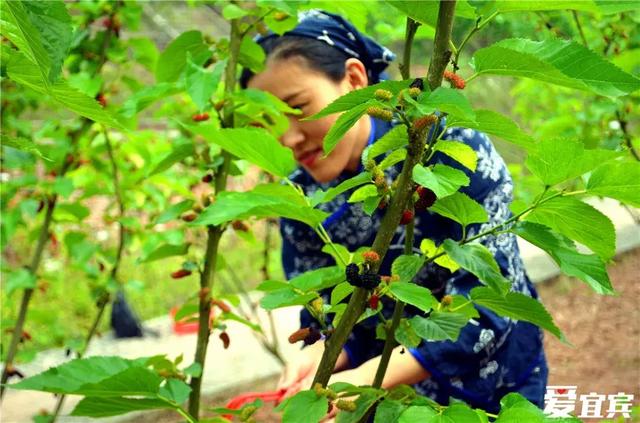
(267, 200)
(555, 161)
(26, 73)
(460, 208)
(494, 123)
(439, 326)
(477, 259)
(516, 306)
(231, 11)
(179, 153)
(54, 26)
(459, 412)
(271, 285)
(304, 406)
(166, 250)
(429, 249)
(515, 408)
(406, 335)
(20, 279)
(97, 377)
(389, 411)
(446, 100)
(321, 196)
(619, 180)
(107, 407)
(317, 279)
(417, 296)
(343, 124)
(18, 28)
(443, 180)
(285, 297)
(42, 31)
(363, 193)
(392, 158)
(394, 139)
(427, 12)
(175, 390)
(407, 266)
(417, 414)
(21, 143)
(588, 267)
(142, 99)
(340, 292)
(339, 252)
(555, 61)
(174, 211)
(63, 186)
(356, 98)
(71, 211)
(578, 221)
(458, 151)
(251, 55)
(145, 52)
(173, 59)
(252, 144)
(200, 83)
(363, 403)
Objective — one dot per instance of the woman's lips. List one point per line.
(308, 159)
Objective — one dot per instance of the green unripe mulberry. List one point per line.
(383, 95)
(380, 113)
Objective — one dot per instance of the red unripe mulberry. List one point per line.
(407, 216)
(182, 273)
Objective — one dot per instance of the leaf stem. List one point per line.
(478, 26)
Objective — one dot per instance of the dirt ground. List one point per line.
(604, 333)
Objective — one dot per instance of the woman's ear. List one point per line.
(355, 74)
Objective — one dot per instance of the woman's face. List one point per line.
(293, 82)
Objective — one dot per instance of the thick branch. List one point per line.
(441, 52)
(214, 233)
(417, 141)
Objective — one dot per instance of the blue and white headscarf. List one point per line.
(341, 34)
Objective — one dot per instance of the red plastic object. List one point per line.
(240, 400)
(184, 327)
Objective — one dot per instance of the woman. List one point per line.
(308, 67)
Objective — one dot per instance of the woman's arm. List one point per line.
(403, 369)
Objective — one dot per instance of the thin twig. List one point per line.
(577, 21)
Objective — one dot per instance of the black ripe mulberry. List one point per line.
(370, 280)
(353, 274)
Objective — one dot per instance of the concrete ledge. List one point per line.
(245, 361)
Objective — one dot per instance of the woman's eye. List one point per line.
(298, 106)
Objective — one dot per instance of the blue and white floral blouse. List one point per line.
(493, 355)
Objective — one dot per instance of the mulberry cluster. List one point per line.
(383, 95)
(310, 335)
(380, 113)
(424, 121)
(456, 80)
(365, 280)
(200, 117)
(426, 198)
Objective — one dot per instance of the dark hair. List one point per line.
(316, 54)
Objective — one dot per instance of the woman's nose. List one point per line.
(293, 136)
